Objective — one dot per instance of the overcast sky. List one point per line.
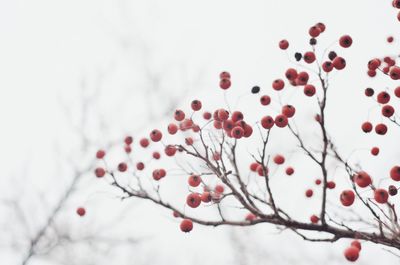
(47, 47)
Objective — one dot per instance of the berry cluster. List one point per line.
(211, 138)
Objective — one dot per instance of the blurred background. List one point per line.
(76, 76)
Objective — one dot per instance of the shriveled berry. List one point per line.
(255, 89)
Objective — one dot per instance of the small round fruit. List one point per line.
(362, 179)
(283, 44)
(381, 196)
(345, 41)
(186, 225)
(99, 172)
(347, 197)
(351, 253)
(194, 180)
(193, 200)
(81, 211)
(395, 173)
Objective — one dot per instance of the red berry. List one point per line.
(100, 154)
(289, 171)
(397, 92)
(366, 127)
(159, 174)
(390, 39)
(374, 64)
(279, 159)
(345, 41)
(172, 128)
(381, 129)
(207, 115)
(339, 63)
(369, 92)
(179, 115)
(347, 197)
(194, 180)
(81, 211)
(291, 74)
(371, 73)
(225, 75)
(321, 26)
(253, 166)
(189, 140)
(248, 130)
(219, 189)
(375, 151)
(387, 111)
(314, 31)
(330, 185)
(281, 121)
(278, 84)
(288, 111)
(140, 166)
(283, 44)
(186, 225)
(237, 132)
(265, 100)
(383, 97)
(309, 90)
(327, 67)
(170, 150)
(128, 149)
(122, 167)
(394, 72)
(395, 173)
(251, 217)
(356, 244)
(309, 193)
(156, 155)
(351, 253)
(302, 78)
(206, 196)
(261, 172)
(216, 156)
(99, 172)
(144, 142)
(176, 214)
(309, 57)
(318, 182)
(225, 83)
(314, 219)
(267, 122)
(381, 196)
(155, 135)
(362, 179)
(128, 140)
(186, 124)
(237, 116)
(193, 200)
(196, 105)
(223, 114)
